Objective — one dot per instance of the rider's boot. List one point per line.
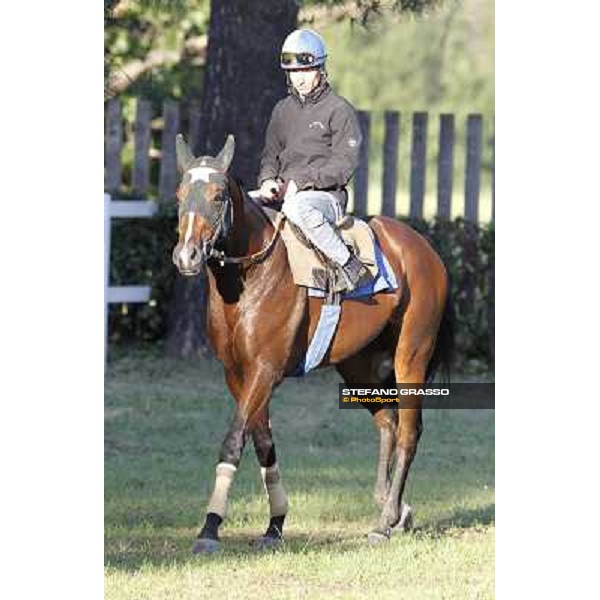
(354, 273)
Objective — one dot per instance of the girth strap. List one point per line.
(321, 339)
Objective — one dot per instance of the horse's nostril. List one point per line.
(194, 254)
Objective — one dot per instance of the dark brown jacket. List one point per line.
(315, 142)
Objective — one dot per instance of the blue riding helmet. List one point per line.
(303, 49)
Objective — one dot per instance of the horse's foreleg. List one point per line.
(250, 397)
(229, 460)
(278, 502)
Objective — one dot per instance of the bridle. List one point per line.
(221, 225)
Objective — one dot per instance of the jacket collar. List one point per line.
(320, 92)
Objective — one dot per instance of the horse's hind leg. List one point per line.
(386, 420)
(370, 365)
(415, 348)
(278, 503)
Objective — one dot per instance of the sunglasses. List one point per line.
(304, 59)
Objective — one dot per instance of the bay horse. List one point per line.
(259, 324)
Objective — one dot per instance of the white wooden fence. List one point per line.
(126, 293)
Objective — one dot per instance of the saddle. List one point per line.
(310, 267)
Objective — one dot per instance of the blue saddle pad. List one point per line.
(330, 315)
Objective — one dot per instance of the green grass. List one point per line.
(164, 422)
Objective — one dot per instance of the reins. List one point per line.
(223, 259)
(251, 259)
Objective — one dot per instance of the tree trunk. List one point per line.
(242, 83)
(243, 80)
(187, 318)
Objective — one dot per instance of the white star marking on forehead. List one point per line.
(201, 173)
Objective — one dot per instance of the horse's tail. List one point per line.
(443, 353)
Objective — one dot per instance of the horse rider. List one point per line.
(311, 152)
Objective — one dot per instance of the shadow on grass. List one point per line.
(176, 549)
(460, 519)
(172, 548)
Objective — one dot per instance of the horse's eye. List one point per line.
(213, 192)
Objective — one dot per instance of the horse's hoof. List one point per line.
(406, 520)
(266, 542)
(205, 546)
(378, 536)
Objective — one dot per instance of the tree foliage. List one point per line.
(155, 47)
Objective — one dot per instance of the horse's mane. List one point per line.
(249, 201)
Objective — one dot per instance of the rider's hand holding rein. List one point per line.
(273, 190)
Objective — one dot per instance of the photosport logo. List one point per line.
(426, 395)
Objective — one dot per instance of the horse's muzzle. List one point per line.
(189, 259)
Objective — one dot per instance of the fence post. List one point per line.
(472, 179)
(168, 164)
(361, 178)
(107, 219)
(473, 168)
(445, 166)
(142, 134)
(418, 157)
(114, 144)
(390, 163)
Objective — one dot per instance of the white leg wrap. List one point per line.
(223, 481)
(278, 502)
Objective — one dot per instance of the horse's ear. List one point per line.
(226, 155)
(184, 154)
